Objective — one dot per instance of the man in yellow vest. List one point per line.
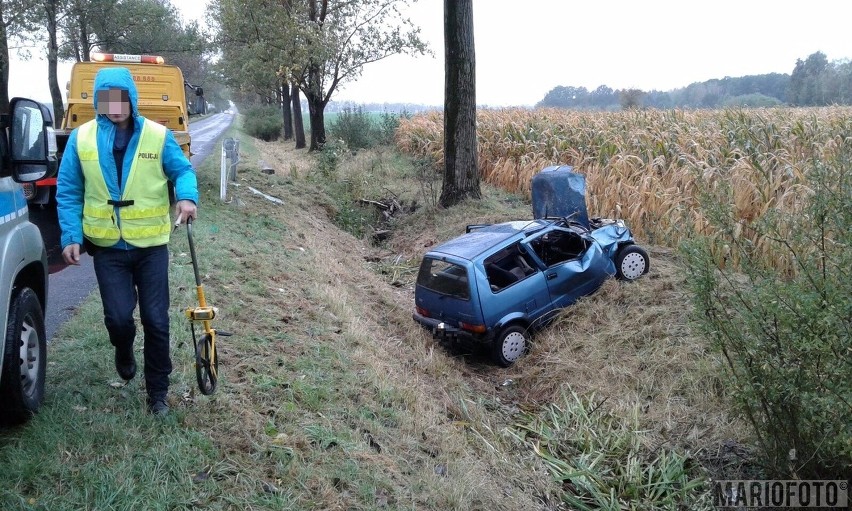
(112, 197)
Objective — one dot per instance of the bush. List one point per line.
(387, 126)
(360, 130)
(353, 127)
(263, 122)
(785, 339)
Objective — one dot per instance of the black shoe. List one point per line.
(158, 406)
(125, 363)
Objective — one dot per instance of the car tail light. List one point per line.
(29, 190)
(477, 329)
(423, 312)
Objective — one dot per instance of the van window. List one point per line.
(444, 277)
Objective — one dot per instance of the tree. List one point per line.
(298, 123)
(78, 30)
(461, 167)
(51, 23)
(13, 22)
(324, 43)
(631, 99)
(339, 39)
(806, 81)
(286, 111)
(256, 54)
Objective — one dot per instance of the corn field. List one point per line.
(649, 167)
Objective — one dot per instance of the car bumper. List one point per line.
(448, 333)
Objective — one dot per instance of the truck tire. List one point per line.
(24, 359)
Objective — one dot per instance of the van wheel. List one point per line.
(24, 359)
(510, 345)
(631, 262)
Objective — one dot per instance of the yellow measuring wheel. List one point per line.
(206, 357)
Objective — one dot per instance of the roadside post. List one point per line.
(228, 165)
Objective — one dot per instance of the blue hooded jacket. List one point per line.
(70, 183)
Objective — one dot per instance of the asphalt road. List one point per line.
(70, 285)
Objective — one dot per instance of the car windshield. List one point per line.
(444, 277)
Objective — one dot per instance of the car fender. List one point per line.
(514, 317)
(612, 237)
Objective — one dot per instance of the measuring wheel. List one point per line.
(206, 364)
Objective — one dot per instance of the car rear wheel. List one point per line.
(631, 262)
(510, 345)
(24, 359)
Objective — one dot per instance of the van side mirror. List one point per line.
(32, 141)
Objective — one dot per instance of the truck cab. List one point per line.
(27, 154)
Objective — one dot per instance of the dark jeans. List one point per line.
(124, 275)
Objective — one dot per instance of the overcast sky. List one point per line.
(525, 49)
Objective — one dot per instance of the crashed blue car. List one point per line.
(497, 283)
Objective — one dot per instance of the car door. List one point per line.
(515, 286)
(574, 265)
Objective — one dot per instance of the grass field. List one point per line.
(331, 399)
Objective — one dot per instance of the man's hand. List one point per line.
(184, 209)
(71, 254)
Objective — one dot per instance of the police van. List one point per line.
(27, 154)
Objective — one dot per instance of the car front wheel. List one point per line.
(24, 359)
(631, 262)
(510, 345)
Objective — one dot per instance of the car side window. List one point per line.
(559, 246)
(506, 267)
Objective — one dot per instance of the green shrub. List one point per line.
(263, 122)
(354, 128)
(363, 130)
(387, 126)
(785, 339)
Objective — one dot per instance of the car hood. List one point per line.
(559, 192)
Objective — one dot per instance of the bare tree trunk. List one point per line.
(298, 124)
(316, 108)
(461, 167)
(52, 59)
(286, 111)
(4, 63)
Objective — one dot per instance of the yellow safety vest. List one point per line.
(141, 217)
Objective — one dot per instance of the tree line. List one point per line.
(813, 82)
(72, 30)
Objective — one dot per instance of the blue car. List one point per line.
(496, 283)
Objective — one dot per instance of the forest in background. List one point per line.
(813, 82)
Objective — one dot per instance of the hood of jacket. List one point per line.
(117, 78)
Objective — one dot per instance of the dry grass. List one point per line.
(331, 321)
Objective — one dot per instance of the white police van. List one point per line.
(27, 153)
